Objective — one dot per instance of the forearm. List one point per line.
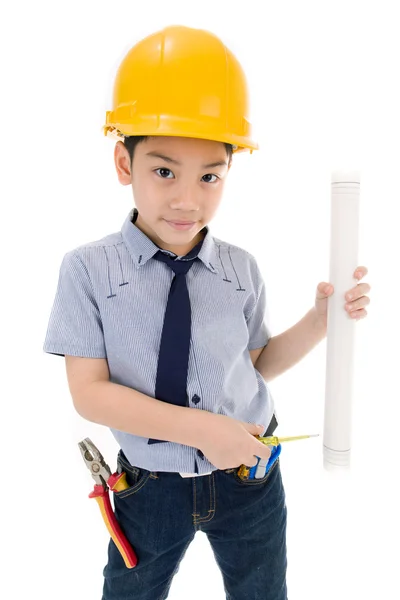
(286, 349)
(126, 409)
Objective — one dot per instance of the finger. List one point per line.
(358, 291)
(358, 314)
(264, 452)
(358, 304)
(360, 272)
(324, 289)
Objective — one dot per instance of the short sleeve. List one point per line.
(259, 332)
(75, 325)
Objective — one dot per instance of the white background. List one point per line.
(323, 78)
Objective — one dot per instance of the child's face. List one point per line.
(165, 191)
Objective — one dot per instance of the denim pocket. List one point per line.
(136, 477)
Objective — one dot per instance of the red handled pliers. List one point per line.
(101, 473)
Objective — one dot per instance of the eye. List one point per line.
(211, 175)
(164, 169)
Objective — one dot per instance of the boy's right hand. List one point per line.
(229, 443)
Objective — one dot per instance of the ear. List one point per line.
(122, 163)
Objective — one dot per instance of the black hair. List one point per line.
(133, 140)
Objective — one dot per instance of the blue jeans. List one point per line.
(245, 523)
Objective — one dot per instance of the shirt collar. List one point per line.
(141, 247)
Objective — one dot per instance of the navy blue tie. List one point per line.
(172, 368)
(173, 359)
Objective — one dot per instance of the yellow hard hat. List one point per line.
(183, 82)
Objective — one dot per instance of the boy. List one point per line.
(146, 343)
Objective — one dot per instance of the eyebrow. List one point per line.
(219, 163)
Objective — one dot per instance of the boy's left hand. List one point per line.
(355, 306)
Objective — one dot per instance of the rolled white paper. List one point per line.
(345, 199)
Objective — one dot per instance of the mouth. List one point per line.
(185, 225)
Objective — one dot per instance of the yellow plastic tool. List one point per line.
(273, 440)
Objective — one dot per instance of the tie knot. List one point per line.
(178, 266)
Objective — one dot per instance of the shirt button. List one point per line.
(195, 399)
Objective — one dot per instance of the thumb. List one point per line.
(323, 290)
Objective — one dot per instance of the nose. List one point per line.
(186, 199)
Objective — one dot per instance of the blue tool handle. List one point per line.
(275, 452)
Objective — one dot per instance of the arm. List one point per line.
(120, 407)
(75, 331)
(285, 350)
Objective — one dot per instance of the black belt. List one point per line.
(271, 427)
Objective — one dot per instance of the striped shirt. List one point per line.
(110, 303)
